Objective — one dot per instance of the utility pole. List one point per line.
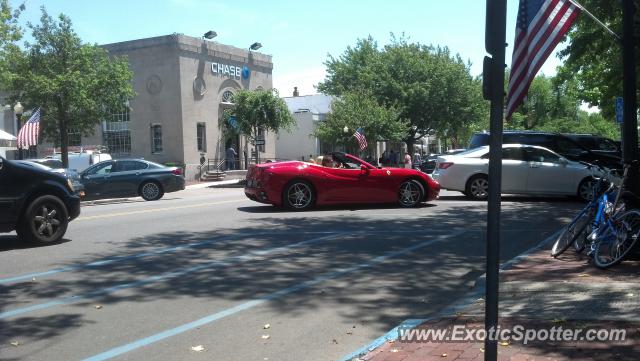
(493, 90)
(630, 125)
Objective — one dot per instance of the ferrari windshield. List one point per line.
(346, 162)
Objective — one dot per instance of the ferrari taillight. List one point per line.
(444, 165)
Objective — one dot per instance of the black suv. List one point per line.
(36, 203)
(562, 144)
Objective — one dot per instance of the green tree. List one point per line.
(428, 86)
(355, 110)
(594, 57)
(10, 34)
(255, 110)
(76, 85)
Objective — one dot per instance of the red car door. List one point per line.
(345, 185)
(381, 185)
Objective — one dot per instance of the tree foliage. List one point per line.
(430, 88)
(255, 110)
(594, 57)
(76, 85)
(10, 34)
(355, 110)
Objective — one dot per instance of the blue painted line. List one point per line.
(463, 303)
(114, 352)
(389, 336)
(162, 277)
(108, 261)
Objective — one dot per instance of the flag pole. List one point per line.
(603, 25)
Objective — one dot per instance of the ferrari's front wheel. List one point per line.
(298, 195)
(410, 194)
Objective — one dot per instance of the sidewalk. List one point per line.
(540, 292)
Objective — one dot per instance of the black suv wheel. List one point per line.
(44, 221)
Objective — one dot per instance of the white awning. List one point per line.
(7, 140)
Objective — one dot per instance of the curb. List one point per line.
(210, 184)
(462, 303)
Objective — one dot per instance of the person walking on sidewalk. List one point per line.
(231, 157)
(407, 160)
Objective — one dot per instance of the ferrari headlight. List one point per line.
(70, 185)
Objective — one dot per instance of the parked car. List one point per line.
(559, 143)
(130, 178)
(70, 174)
(526, 169)
(36, 203)
(597, 143)
(348, 180)
(80, 161)
(427, 164)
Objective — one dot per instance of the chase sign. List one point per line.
(230, 70)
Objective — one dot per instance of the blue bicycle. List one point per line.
(592, 216)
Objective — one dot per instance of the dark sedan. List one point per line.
(130, 178)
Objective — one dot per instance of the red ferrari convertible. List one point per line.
(298, 185)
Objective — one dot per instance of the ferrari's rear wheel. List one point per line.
(410, 194)
(298, 195)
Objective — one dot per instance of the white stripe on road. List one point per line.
(117, 351)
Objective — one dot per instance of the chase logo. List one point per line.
(245, 72)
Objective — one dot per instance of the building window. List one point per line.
(201, 137)
(227, 97)
(116, 133)
(74, 138)
(156, 138)
(261, 134)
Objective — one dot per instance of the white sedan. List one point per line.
(526, 169)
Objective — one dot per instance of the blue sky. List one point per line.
(298, 34)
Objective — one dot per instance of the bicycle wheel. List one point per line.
(572, 231)
(612, 248)
(580, 242)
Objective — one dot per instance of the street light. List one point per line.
(210, 35)
(255, 46)
(345, 129)
(17, 110)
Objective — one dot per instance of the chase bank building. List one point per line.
(183, 84)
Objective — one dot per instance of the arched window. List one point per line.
(227, 97)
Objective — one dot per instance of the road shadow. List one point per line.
(11, 242)
(381, 294)
(269, 209)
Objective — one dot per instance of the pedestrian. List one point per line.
(231, 157)
(407, 160)
(393, 159)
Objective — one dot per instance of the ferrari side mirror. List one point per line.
(364, 169)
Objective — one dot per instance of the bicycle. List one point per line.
(590, 217)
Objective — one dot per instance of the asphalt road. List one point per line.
(137, 280)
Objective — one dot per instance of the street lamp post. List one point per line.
(17, 110)
(346, 137)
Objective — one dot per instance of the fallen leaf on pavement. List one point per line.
(198, 348)
(266, 337)
(334, 341)
(443, 355)
(481, 349)
(15, 343)
(394, 350)
(266, 326)
(583, 275)
(630, 294)
(349, 333)
(504, 343)
(98, 307)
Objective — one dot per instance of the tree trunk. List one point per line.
(64, 141)
(255, 144)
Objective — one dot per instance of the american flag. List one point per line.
(28, 134)
(362, 140)
(540, 27)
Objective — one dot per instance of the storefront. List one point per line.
(182, 85)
